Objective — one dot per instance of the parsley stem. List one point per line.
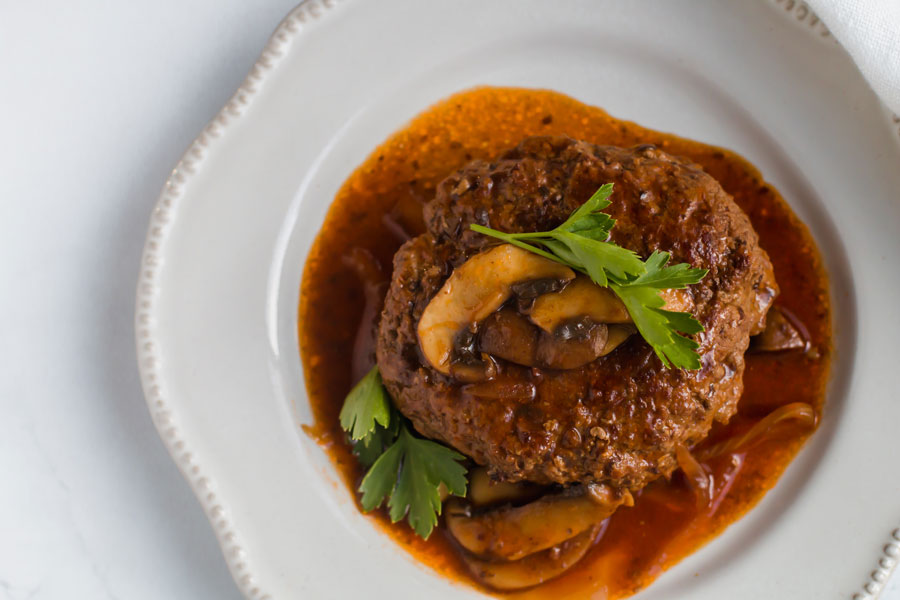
(512, 239)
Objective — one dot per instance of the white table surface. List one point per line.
(98, 99)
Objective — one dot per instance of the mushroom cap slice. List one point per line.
(616, 335)
(584, 298)
(572, 345)
(581, 298)
(534, 569)
(474, 290)
(508, 335)
(779, 334)
(511, 533)
(485, 492)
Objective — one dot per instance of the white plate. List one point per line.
(218, 293)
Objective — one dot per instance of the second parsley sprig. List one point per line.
(581, 243)
(404, 469)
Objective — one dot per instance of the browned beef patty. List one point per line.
(618, 419)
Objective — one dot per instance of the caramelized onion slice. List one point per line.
(698, 477)
(799, 411)
(513, 532)
(374, 283)
(474, 290)
(534, 569)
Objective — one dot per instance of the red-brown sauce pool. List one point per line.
(381, 202)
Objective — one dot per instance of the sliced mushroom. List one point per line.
(485, 492)
(780, 334)
(534, 569)
(581, 298)
(474, 371)
(529, 290)
(473, 291)
(572, 345)
(508, 335)
(513, 532)
(616, 335)
(584, 298)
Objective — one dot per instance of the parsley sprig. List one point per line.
(582, 243)
(403, 468)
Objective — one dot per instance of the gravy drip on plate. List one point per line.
(380, 205)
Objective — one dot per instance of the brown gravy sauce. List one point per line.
(381, 203)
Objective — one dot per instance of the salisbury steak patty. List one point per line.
(619, 418)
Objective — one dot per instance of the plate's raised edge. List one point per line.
(147, 290)
(149, 360)
(804, 16)
(887, 562)
(871, 590)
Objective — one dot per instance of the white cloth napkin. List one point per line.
(870, 32)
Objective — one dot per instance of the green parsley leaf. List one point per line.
(601, 260)
(409, 474)
(589, 212)
(595, 227)
(365, 405)
(659, 326)
(381, 479)
(581, 243)
(405, 470)
(376, 442)
(661, 277)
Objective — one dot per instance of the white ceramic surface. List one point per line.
(217, 298)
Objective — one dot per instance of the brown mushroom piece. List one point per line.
(581, 298)
(512, 532)
(508, 335)
(779, 334)
(616, 336)
(584, 298)
(483, 491)
(473, 291)
(534, 569)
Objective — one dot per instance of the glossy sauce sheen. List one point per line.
(383, 198)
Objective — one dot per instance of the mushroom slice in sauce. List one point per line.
(584, 298)
(485, 492)
(616, 336)
(581, 298)
(512, 532)
(779, 334)
(508, 335)
(474, 290)
(534, 569)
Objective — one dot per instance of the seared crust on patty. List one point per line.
(618, 419)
